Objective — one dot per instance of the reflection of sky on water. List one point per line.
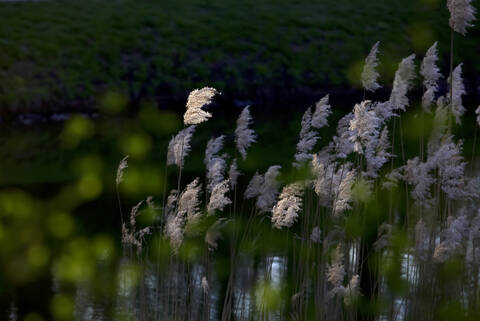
(270, 271)
(86, 308)
(89, 308)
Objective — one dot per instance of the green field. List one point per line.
(67, 54)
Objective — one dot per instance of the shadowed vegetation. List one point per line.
(66, 54)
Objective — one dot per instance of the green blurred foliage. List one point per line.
(62, 307)
(113, 102)
(268, 296)
(77, 129)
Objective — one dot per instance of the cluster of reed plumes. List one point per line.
(360, 232)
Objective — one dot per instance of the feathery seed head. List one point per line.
(462, 14)
(233, 173)
(419, 175)
(197, 99)
(376, 153)
(218, 199)
(121, 167)
(179, 146)
(189, 202)
(369, 74)
(343, 191)
(431, 74)
(453, 237)
(364, 126)
(402, 83)
(269, 189)
(342, 144)
(254, 186)
(458, 90)
(308, 139)
(322, 111)
(215, 171)
(285, 212)
(244, 136)
(214, 146)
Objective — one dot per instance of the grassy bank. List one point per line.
(59, 54)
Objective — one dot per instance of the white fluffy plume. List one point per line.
(321, 113)
(233, 173)
(285, 212)
(364, 126)
(402, 83)
(324, 172)
(121, 167)
(196, 100)
(341, 142)
(174, 225)
(254, 186)
(431, 74)
(451, 168)
(174, 230)
(453, 237)
(458, 90)
(187, 207)
(244, 136)
(333, 185)
(308, 139)
(343, 191)
(462, 14)
(214, 146)
(445, 166)
(440, 124)
(218, 199)
(419, 175)
(369, 74)
(179, 146)
(216, 164)
(376, 153)
(269, 189)
(215, 171)
(189, 202)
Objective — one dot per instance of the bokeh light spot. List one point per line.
(113, 102)
(77, 129)
(136, 145)
(62, 307)
(90, 186)
(60, 224)
(38, 255)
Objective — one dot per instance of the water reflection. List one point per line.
(179, 290)
(147, 291)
